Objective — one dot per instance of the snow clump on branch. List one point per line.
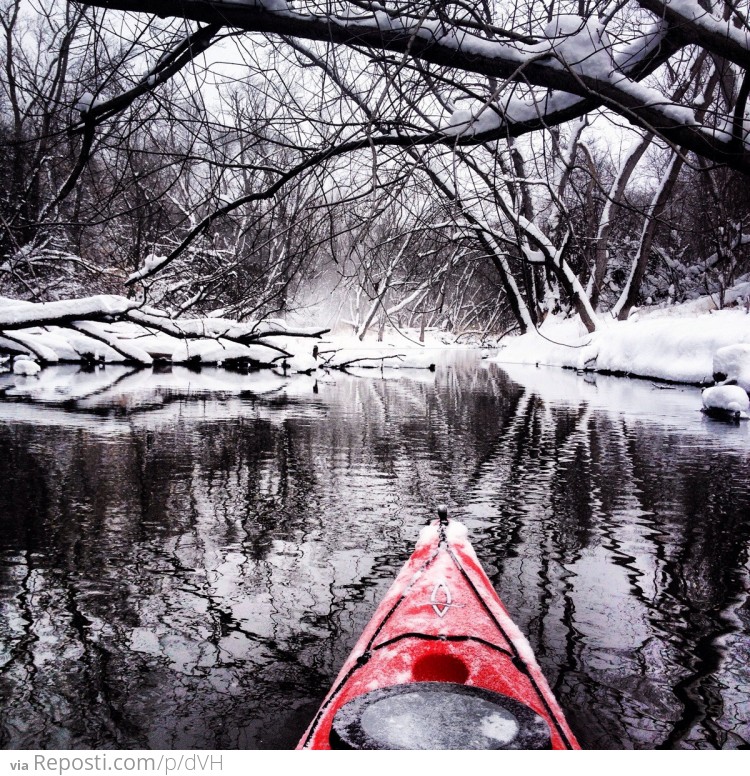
(83, 105)
(466, 122)
(581, 44)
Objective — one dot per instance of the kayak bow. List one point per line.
(440, 666)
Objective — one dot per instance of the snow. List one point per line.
(531, 106)
(113, 343)
(564, 25)
(207, 351)
(151, 263)
(302, 362)
(662, 344)
(693, 13)
(499, 728)
(576, 45)
(729, 398)
(568, 43)
(687, 343)
(14, 313)
(733, 361)
(399, 349)
(147, 334)
(25, 367)
(456, 532)
(30, 340)
(467, 122)
(580, 43)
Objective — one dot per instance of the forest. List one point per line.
(467, 166)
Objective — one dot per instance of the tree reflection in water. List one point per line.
(193, 575)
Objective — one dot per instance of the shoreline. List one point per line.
(676, 345)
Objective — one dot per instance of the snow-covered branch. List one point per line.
(581, 62)
(130, 331)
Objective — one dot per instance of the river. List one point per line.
(187, 558)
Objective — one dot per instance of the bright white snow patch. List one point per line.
(733, 361)
(26, 367)
(580, 43)
(499, 728)
(658, 345)
(730, 398)
(151, 263)
(456, 532)
(564, 25)
(466, 122)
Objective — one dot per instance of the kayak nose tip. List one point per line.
(442, 511)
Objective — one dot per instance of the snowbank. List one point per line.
(396, 350)
(665, 344)
(25, 366)
(732, 364)
(111, 329)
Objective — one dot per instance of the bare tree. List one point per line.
(601, 58)
(216, 195)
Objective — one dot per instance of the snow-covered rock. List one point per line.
(25, 367)
(732, 363)
(729, 399)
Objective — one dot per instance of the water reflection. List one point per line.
(190, 568)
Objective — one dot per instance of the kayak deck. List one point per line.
(442, 621)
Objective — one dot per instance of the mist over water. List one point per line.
(185, 569)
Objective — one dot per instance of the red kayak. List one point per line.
(440, 666)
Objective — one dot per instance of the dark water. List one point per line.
(186, 560)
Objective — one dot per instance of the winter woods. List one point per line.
(471, 166)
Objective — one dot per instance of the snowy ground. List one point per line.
(398, 349)
(689, 343)
(149, 336)
(677, 344)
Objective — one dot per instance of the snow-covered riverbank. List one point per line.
(677, 344)
(692, 343)
(112, 329)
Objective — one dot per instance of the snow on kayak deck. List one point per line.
(441, 621)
